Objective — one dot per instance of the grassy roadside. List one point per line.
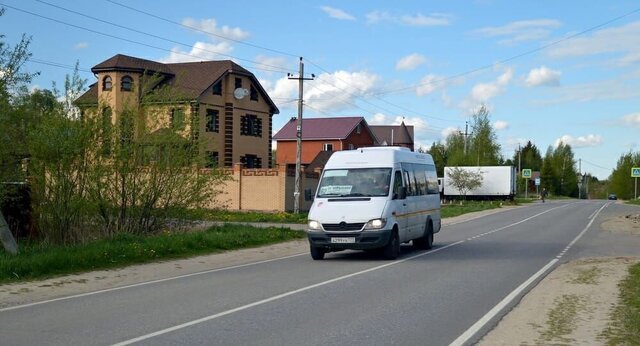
(624, 328)
(39, 262)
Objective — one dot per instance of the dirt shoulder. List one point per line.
(573, 304)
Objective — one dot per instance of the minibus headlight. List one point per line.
(375, 224)
(314, 225)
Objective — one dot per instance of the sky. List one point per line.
(548, 71)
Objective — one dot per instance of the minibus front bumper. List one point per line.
(362, 240)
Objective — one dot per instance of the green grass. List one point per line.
(39, 262)
(633, 202)
(561, 320)
(624, 328)
(237, 216)
(455, 209)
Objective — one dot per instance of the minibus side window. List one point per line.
(397, 184)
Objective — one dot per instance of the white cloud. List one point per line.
(521, 31)
(483, 92)
(581, 141)
(210, 26)
(543, 76)
(201, 51)
(266, 63)
(632, 119)
(448, 131)
(434, 19)
(624, 40)
(337, 13)
(410, 62)
(428, 84)
(327, 92)
(378, 119)
(81, 45)
(500, 125)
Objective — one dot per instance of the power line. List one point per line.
(55, 64)
(131, 41)
(531, 51)
(595, 165)
(203, 31)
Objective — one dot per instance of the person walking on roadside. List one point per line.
(543, 194)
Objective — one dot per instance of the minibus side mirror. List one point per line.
(402, 193)
(308, 195)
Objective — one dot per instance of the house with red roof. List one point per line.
(322, 135)
(219, 103)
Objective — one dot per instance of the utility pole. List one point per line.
(301, 79)
(519, 167)
(581, 180)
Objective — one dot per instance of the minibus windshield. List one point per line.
(354, 182)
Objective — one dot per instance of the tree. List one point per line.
(13, 81)
(484, 149)
(439, 153)
(464, 180)
(621, 182)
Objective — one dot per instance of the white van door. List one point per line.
(399, 205)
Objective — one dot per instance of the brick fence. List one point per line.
(264, 189)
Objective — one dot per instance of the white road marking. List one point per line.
(469, 333)
(303, 289)
(147, 283)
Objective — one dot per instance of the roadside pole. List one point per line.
(526, 174)
(635, 173)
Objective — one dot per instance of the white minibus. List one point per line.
(375, 198)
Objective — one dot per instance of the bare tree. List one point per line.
(464, 180)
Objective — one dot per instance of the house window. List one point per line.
(211, 159)
(212, 124)
(327, 147)
(177, 119)
(351, 146)
(106, 131)
(126, 84)
(251, 125)
(238, 83)
(107, 83)
(251, 161)
(358, 129)
(217, 88)
(254, 93)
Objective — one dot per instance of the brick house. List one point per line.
(219, 102)
(322, 135)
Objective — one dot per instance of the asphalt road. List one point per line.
(453, 293)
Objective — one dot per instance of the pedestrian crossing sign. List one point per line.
(526, 173)
(635, 172)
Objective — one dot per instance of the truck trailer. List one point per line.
(498, 182)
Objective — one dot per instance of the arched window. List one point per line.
(126, 84)
(106, 83)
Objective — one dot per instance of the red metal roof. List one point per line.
(320, 128)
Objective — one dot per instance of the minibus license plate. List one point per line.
(343, 240)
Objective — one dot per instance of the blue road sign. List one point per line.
(635, 172)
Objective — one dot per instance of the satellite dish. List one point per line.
(240, 93)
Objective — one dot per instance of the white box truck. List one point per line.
(375, 198)
(498, 182)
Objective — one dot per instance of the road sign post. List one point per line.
(526, 174)
(635, 173)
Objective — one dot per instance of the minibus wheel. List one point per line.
(392, 249)
(317, 253)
